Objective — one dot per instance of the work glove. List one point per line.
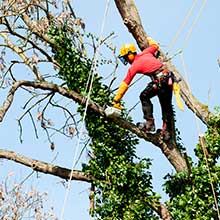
(176, 91)
(121, 91)
(152, 42)
(117, 105)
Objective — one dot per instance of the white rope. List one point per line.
(182, 26)
(193, 24)
(86, 107)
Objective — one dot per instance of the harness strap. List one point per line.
(161, 69)
(162, 74)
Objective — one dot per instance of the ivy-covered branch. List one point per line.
(172, 154)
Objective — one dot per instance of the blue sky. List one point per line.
(161, 20)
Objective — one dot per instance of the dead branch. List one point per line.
(25, 59)
(44, 167)
(25, 38)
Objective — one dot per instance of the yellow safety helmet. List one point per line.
(125, 50)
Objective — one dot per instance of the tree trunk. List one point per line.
(132, 20)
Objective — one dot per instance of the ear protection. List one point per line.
(131, 56)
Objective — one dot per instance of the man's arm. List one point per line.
(121, 91)
(125, 84)
(153, 46)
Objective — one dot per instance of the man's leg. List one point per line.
(165, 98)
(147, 106)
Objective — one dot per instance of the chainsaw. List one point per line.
(112, 112)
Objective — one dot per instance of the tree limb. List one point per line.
(132, 20)
(64, 173)
(44, 167)
(161, 210)
(168, 149)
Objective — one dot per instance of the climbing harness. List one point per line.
(168, 77)
(164, 76)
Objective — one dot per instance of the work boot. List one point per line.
(164, 132)
(147, 126)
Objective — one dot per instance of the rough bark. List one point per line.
(163, 211)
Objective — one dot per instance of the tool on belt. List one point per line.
(164, 75)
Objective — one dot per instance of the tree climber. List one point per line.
(161, 85)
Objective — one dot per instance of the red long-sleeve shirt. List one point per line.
(144, 63)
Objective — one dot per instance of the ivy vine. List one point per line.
(123, 186)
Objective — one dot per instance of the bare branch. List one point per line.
(29, 41)
(44, 167)
(20, 52)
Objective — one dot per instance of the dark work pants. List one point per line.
(164, 93)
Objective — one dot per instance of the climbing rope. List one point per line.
(89, 85)
(182, 26)
(193, 24)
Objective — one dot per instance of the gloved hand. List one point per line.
(121, 91)
(152, 42)
(117, 105)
